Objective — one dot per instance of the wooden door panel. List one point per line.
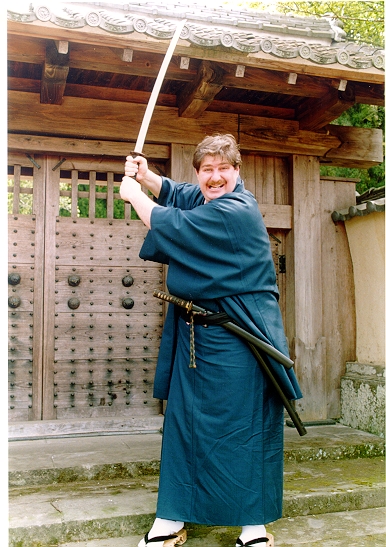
(101, 290)
(21, 294)
(101, 388)
(103, 242)
(25, 283)
(95, 359)
(107, 325)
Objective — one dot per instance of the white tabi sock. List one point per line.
(164, 527)
(252, 532)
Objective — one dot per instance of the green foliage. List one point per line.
(362, 21)
(25, 197)
(101, 205)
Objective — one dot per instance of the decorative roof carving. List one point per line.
(319, 40)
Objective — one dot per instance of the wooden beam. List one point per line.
(54, 77)
(315, 114)
(197, 96)
(93, 119)
(98, 148)
(360, 147)
(276, 216)
(90, 118)
(369, 93)
(142, 97)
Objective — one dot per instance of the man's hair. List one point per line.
(224, 146)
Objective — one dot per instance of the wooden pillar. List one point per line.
(52, 211)
(305, 289)
(320, 305)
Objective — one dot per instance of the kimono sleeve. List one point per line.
(182, 195)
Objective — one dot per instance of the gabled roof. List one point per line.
(320, 40)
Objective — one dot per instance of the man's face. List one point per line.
(216, 177)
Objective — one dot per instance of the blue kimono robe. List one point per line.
(222, 450)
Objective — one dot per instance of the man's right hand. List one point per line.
(136, 167)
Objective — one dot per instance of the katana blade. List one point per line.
(156, 89)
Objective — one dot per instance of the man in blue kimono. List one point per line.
(222, 449)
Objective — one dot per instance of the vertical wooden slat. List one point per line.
(110, 195)
(338, 289)
(92, 195)
(268, 179)
(16, 189)
(281, 181)
(181, 163)
(127, 210)
(39, 210)
(259, 175)
(52, 212)
(74, 193)
(248, 174)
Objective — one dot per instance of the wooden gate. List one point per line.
(84, 328)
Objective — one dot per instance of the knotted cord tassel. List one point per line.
(192, 363)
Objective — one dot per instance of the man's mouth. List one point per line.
(216, 185)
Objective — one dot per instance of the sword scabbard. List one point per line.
(253, 344)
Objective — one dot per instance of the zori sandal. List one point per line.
(178, 538)
(267, 541)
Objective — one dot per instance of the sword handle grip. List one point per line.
(134, 153)
(173, 299)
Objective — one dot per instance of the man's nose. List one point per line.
(216, 175)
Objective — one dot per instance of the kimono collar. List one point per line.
(239, 185)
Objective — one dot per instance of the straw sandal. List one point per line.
(268, 541)
(178, 538)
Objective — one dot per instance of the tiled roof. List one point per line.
(372, 201)
(321, 40)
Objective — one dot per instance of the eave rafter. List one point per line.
(201, 87)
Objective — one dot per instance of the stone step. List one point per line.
(45, 515)
(363, 528)
(82, 458)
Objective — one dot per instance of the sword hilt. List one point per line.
(134, 153)
(173, 300)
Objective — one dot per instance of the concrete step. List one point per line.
(94, 488)
(67, 459)
(364, 528)
(44, 515)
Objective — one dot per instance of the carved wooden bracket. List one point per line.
(317, 113)
(197, 96)
(54, 77)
